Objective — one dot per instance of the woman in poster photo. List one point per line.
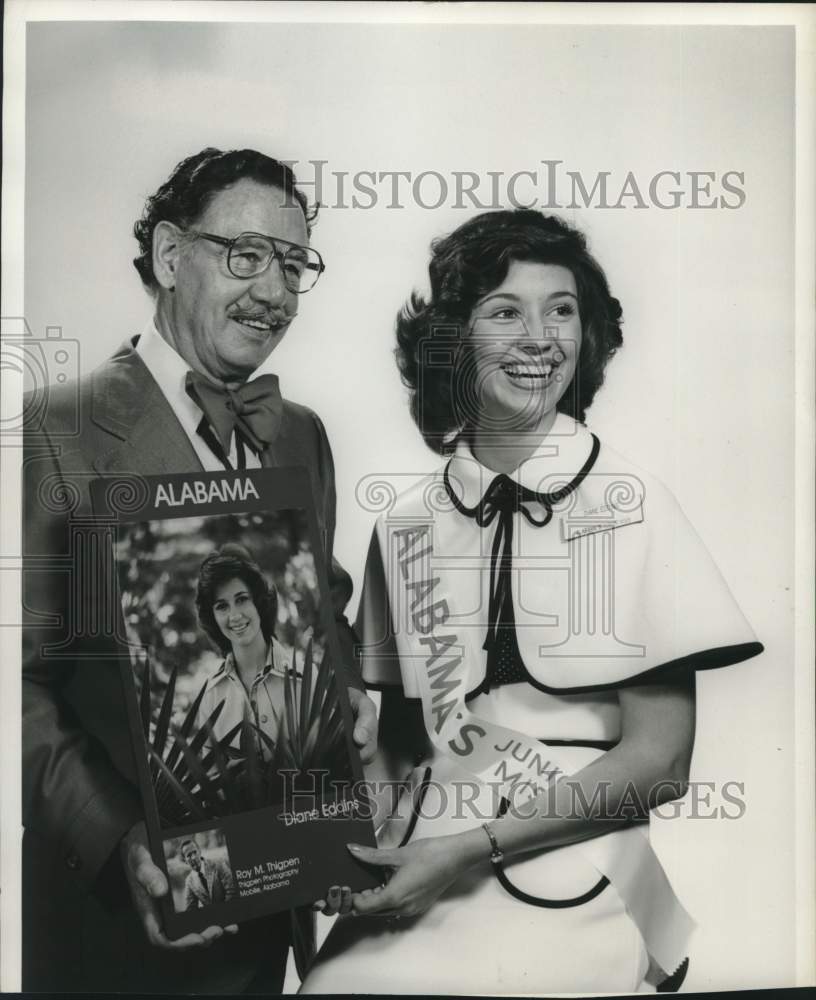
(533, 614)
(237, 609)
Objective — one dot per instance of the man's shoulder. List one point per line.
(305, 431)
(81, 422)
(301, 415)
(72, 406)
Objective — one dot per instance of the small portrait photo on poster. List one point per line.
(199, 870)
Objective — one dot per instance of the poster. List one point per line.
(251, 784)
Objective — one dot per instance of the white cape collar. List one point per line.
(554, 464)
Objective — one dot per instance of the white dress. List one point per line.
(610, 584)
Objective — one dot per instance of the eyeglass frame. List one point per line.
(275, 255)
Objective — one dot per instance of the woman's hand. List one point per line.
(338, 900)
(420, 873)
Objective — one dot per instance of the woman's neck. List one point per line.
(250, 660)
(505, 454)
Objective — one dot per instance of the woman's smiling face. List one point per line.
(525, 337)
(235, 613)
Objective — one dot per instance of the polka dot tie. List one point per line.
(504, 663)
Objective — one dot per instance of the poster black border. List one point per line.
(123, 499)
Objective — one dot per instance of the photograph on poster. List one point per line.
(215, 609)
(526, 293)
(199, 870)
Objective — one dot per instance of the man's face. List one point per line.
(223, 326)
(192, 856)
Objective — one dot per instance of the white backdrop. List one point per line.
(700, 394)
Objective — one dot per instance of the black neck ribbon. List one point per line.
(504, 498)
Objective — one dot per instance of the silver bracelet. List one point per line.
(496, 855)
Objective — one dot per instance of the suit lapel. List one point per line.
(286, 449)
(146, 437)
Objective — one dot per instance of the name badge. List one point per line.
(606, 517)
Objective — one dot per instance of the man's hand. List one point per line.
(365, 724)
(148, 884)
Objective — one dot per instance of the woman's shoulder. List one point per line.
(621, 473)
(408, 494)
(215, 678)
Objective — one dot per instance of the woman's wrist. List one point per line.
(473, 847)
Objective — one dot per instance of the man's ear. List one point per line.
(167, 241)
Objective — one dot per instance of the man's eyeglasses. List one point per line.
(250, 254)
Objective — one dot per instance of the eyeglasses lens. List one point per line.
(251, 255)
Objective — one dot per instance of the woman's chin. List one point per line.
(243, 640)
(525, 412)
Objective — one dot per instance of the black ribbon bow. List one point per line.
(503, 499)
(255, 408)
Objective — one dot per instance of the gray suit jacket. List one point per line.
(219, 881)
(79, 794)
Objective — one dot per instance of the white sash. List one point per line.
(439, 658)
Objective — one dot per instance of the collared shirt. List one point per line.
(556, 460)
(264, 697)
(169, 370)
(609, 584)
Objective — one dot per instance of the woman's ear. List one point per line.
(167, 239)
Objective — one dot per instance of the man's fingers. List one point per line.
(210, 934)
(189, 942)
(345, 899)
(148, 883)
(150, 922)
(157, 937)
(149, 877)
(365, 724)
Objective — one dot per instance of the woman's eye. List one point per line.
(219, 607)
(507, 312)
(564, 310)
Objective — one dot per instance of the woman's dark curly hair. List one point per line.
(232, 562)
(470, 263)
(185, 195)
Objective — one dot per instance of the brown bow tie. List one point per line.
(255, 408)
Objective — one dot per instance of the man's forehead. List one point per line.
(249, 206)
